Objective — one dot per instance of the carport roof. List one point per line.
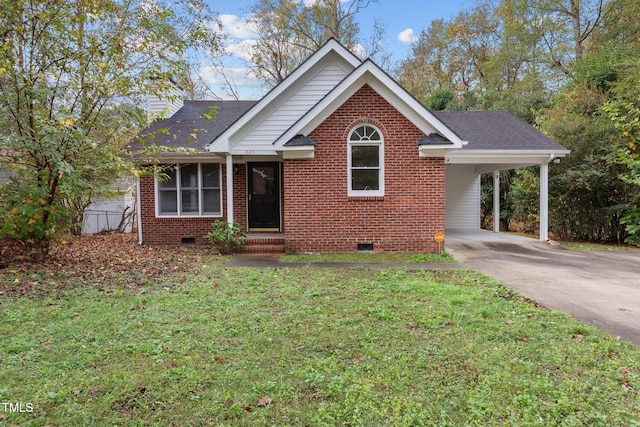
(496, 130)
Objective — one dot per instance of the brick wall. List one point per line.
(158, 231)
(319, 216)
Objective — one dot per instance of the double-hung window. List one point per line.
(190, 190)
(366, 161)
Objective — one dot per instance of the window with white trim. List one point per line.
(191, 189)
(366, 161)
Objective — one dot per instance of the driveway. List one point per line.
(601, 288)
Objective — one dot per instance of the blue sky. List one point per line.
(405, 20)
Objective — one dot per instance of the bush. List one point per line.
(227, 238)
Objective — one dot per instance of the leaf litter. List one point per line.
(109, 262)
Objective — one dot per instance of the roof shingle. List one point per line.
(495, 130)
(179, 130)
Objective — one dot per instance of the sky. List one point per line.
(404, 19)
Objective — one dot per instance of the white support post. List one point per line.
(544, 201)
(496, 201)
(229, 174)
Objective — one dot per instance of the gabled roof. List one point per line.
(368, 73)
(222, 143)
(496, 130)
(188, 128)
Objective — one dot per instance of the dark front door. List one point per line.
(264, 196)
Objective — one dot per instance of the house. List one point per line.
(336, 158)
(113, 213)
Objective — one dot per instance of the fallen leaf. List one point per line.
(94, 390)
(264, 402)
(47, 341)
(218, 358)
(228, 403)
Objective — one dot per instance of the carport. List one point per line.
(497, 140)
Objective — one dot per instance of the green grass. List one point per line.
(370, 258)
(330, 347)
(591, 246)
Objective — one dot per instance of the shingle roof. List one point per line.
(484, 130)
(300, 141)
(495, 130)
(434, 139)
(179, 129)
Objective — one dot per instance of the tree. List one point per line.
(583, 17)
(589, 198)
(289, 31)
(624, 112)
(70, 74)
(490, 48)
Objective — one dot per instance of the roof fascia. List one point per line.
(369, 73)
(504, 157)
(222, 143)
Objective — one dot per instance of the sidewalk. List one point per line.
(274, 262)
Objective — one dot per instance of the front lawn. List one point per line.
(201, 344)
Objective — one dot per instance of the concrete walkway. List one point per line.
(601, 288)
(274, 262)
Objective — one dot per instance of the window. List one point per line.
(366, 162)
(190, 190)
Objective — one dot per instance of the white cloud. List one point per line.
(244, 83)
(238, 28)
(360, 51)
(242, 77)
(241, 50)
(407, 36)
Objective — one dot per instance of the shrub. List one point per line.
(227, 238)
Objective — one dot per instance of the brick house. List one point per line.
(336, 158)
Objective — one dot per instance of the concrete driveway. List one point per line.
(601, 288)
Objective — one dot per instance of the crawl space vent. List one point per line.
(188, 240)
(365, 247)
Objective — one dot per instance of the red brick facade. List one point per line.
(321, 217)
(317, 213)
(161, 231)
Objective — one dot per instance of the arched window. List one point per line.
(366, 161)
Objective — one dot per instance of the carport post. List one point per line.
(496, 201)
(544, 200)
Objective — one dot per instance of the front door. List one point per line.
(264, 196)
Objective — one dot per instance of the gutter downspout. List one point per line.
(544, 198)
